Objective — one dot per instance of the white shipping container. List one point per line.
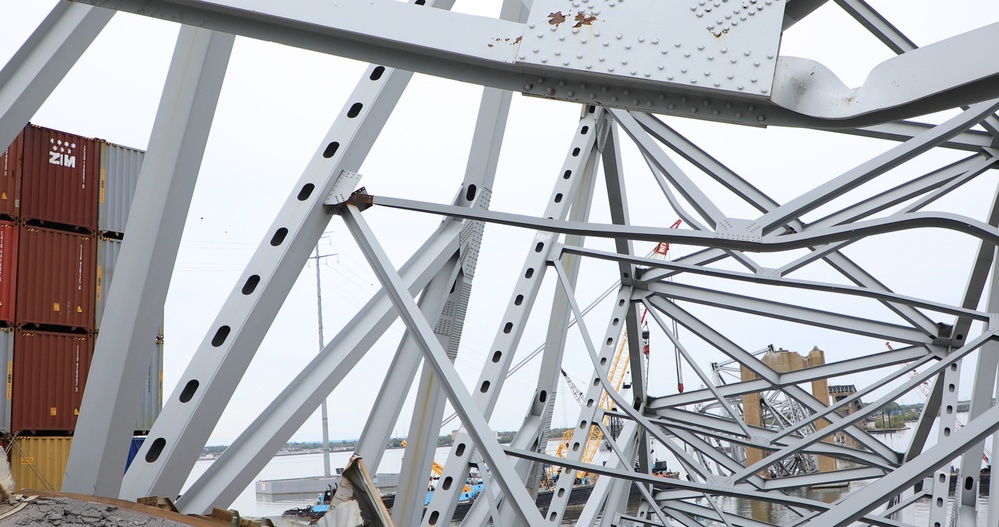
(152, 395)
(119, 175)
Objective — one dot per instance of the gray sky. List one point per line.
(277, 103)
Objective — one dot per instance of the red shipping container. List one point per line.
(10, 178)
(59, 178)
(56, 278)
(50, 373)
(8, 271)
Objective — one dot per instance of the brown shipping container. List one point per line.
(59, 179)
(8, 271)
(10, 178)
(50, 373)
(39, 463)
(55, 278)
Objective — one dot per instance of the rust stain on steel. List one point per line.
(583, 19)
(556, 18)
(507, 40)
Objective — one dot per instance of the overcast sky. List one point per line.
(277, 103)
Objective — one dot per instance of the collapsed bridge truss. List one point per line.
(638, 70)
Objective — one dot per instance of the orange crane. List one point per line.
(617, 373)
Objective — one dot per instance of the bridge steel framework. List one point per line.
(633, 67)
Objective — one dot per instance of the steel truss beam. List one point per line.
(391, 33)
(823, 225)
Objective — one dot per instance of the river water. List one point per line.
(308, 465)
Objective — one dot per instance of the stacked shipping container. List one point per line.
(64, 202)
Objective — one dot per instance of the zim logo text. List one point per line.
(62, 153)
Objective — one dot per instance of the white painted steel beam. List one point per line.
(30, 76)
(230, 474)
(804, 91)
(142, 276)
(187, 420)
(478, 428)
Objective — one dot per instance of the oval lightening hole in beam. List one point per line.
(529, 273)
(278, 237)
(543, 396)
(969, 482)
(460, 451)
(155, 449)
(539, 247)
(575, 151)
(485, 387)
(220, 336)
(377, 73)
(497, 356)
(251, 284)
(331, 149)
(355, 110)
(558, 198)
(519, 300)
(189, 389)
(584, 129)
(447, 483)
(434, 515)
(470, 193)
(567, 174)
(306, 192)
(508, 327)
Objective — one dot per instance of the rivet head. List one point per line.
(670, 106)
(570, 93)
(619, 36)
(738, 115)
(627, 46)
(624, 61)
(641, 39)
(761, 118)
